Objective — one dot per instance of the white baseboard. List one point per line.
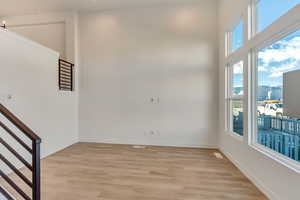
(251, 176)
(149, 143)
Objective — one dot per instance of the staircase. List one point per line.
(34, 166)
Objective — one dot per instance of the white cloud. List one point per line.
(287, 55)
(262, 69)
(278, 71)
(290, 49)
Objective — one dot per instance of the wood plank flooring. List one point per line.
(88, 171)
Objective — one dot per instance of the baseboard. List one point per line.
(250, 175)
(150, 144)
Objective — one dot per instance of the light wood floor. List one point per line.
(87, 171)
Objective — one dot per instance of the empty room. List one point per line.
(150, 100)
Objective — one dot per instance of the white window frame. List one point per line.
(229, 36)
(295, 165)
(229, 98)
(252, 19)
(253, 4)
(253, 41)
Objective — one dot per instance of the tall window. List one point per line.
(278, 96)
(235, 98)
(268, 11)
(237, 36)
(272, 85)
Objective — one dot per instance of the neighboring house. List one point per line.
(291, 94)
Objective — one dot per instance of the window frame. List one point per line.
(229, 36)
(229, 98)
(253, 4)
(295, 165)
(253, 41)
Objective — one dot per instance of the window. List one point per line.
(268, 11)
(237, 36)
(278, 96)
(264, 109)
(235, 98)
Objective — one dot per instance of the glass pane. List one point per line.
(237, 117)
(237, 36)
(237, 79)
(268, 11)
(278, 96)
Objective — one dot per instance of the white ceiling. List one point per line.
(19, 7)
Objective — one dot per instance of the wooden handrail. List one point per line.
(19, 124)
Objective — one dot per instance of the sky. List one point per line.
(270, 10)
(281, 57)
(276, 59)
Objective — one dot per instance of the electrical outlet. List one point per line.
(155, 100)
(152, 133)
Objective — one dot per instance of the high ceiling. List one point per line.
(19, 7)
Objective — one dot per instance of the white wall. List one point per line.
(276, 180)
(50, 35)
(53, 30)
(163, 52)
(29, 75)
(57, 31)
(291, 95)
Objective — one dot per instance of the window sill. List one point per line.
(287, 162)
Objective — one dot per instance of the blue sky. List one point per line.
(270, 10)
(283, 56)
(237, 36)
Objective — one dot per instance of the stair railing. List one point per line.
(34, 150)
(65, 75)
